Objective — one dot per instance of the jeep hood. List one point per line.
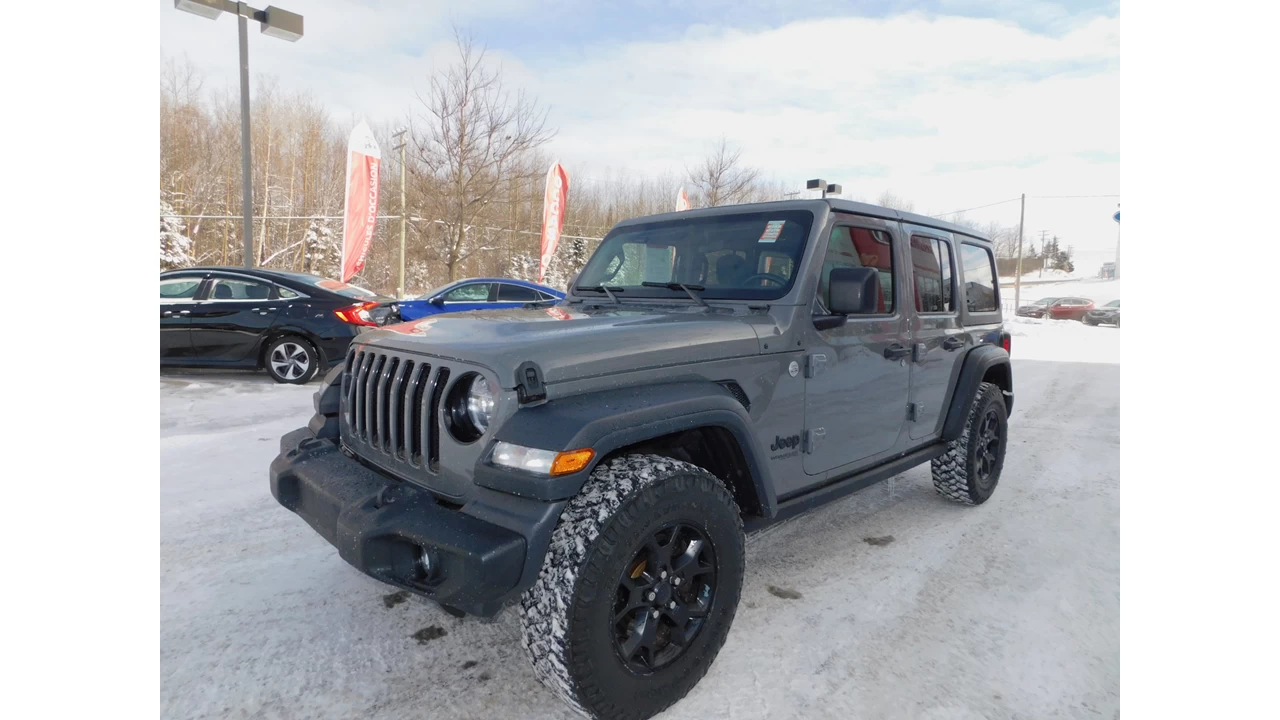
(569, 343)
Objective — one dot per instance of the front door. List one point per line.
(177, 297)
(938, 342)
(228, 324)
(857, 375)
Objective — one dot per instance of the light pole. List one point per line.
(276, 23)
(400, 134)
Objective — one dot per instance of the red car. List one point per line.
(1070, 308)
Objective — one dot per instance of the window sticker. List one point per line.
(772, 230)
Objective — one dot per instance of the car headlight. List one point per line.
(480, 403)
(469, 408)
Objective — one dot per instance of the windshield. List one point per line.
(1113, 303)
(741, 256)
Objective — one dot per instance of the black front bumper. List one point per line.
(383, 526)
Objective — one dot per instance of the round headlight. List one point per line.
(479, 403)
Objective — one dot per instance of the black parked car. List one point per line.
(1108, 314)
(289, 324)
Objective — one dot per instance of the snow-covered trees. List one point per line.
(322, 249)
(175, 246)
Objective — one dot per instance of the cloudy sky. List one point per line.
(950, 103)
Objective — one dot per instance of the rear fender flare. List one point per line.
(976, 364)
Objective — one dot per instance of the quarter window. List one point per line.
(979, 278)
(179, 288)
(858, 247)
(931, 270)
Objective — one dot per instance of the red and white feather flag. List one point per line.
(553, 208)
(360, 213)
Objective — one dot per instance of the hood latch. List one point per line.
(529, 387)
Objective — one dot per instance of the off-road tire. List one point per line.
(567, 616)
(956, 473)
(308, 352)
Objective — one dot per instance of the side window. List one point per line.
(179, 288)
(228, 289)
(931, 270)
(474, 292)
(546, 296)
(515, 293)
(979, 278)
(858, 247)
(285, 293)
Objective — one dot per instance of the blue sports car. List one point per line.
(471, 294)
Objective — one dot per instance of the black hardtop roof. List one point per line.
(836, 204)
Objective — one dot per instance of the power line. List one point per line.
(955, 212)
(1053, 197)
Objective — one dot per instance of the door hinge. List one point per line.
(814, 365)
(813, 439)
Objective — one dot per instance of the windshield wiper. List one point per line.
(681, 286)
(604, 289)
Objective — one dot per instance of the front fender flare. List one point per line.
(608, 420)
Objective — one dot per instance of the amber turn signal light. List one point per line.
(571, 461)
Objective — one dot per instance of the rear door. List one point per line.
(511, 295)
(177, 297)
(937, 340)
(232, 317)
(857, 377)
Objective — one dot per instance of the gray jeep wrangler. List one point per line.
(597, 461)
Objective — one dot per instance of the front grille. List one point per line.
(390, 408)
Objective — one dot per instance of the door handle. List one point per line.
(952, 343)
(166, 313)
(896, 351)
(183, 312)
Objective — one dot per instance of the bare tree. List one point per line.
(889, 200)
(473, 132)
(719, 179)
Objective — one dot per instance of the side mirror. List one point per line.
(854, 291)
(437, 300)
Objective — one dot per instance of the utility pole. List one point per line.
(1043, 254)
(1116, 275)
(403, 212)
(1017, 282)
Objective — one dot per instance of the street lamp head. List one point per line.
(282, 24)
(204, 8)
(834, 189)
(817, 184)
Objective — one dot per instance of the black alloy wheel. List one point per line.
(663, 597)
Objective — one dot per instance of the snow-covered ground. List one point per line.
(892, 603)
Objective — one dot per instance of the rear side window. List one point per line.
(179, 288)
(859, 247)
(979, 278)
(931, 270)
(515, 293)
(226, 289)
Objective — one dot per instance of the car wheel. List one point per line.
(1117, 321)
(638, 589)
(970, 469)
(291, 360)
(1087, 321)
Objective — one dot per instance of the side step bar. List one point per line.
(845, 485)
